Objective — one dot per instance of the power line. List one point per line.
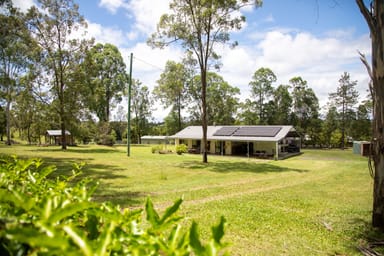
(150, 64)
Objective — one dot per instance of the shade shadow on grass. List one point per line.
(230, 167)
(81, 150)
(371, 240)
(97, 172)
(124, 199)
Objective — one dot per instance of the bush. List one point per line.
(156, 149)
(41, 216)
(181, 148)
(107, 140)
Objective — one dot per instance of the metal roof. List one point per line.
(56, 132)
(154, 137)
(237, 132)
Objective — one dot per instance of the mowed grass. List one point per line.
(318, 203)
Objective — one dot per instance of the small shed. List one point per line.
(54, 137)
(148, 139)
(362, 148)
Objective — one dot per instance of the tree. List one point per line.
(107, 78)
(221, 100)
(199, 25)
(15, 56)
(344, 99)
(172, 88)
(141, 104)
(374, 18)
(246, 115)
(305, 110)
(262, 90)
(361, 125)
(52, 26)
(330, 124)
(282, 102)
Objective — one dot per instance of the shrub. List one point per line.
(41, 216)
(107, 140)
(156, 149)
(181, 148)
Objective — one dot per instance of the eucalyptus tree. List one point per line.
(344, 99)
(200, 25)
(246, 114)
(361, 128)
(222, 101)
(305, 105)
(373, 15)
(53, 25)
(15, 56)
(106, 79)
(330, 124)
(172, 88)
(141, 103)
(262, 90)
(282, 100)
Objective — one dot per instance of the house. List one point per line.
(53, 137)
(269, 141)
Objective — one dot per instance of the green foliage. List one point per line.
(42, 216)
(181, 148)
(156, 149)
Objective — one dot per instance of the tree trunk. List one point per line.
(8, 117)
(375, 20)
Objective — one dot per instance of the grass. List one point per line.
(318, 203)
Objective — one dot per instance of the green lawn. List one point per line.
(317, 203)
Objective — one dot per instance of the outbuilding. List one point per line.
(264, 141)
(150, 139)
(54, 137)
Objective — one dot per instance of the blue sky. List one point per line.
(315, 39)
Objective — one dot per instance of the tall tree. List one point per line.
(345, 98)
(330, 124)
(200, 25)
(305, 110)
(374, 16)
(246, 115)
(222, 102)
(262, 90)
(15, 55)
(282, 102)
(52, 26)
(172, 88)
(362, 125)
(106, 77)
(141, 103)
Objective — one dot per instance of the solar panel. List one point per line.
(257, 131)
(225, 131)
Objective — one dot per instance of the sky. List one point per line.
(318, 40)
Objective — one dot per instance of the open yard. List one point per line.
(317, 203)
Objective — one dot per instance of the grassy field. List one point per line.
(317, 203)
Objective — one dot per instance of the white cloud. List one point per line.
(147, 13)
(112, 5)
(24, 5)
(107, 34)
(320, 61)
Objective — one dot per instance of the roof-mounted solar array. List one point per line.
(257, 131)
(226, 131)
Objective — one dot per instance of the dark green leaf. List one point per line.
(171, 210)
(152, 215)
(194, 240)
(218, 231)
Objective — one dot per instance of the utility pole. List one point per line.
(129, 108)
